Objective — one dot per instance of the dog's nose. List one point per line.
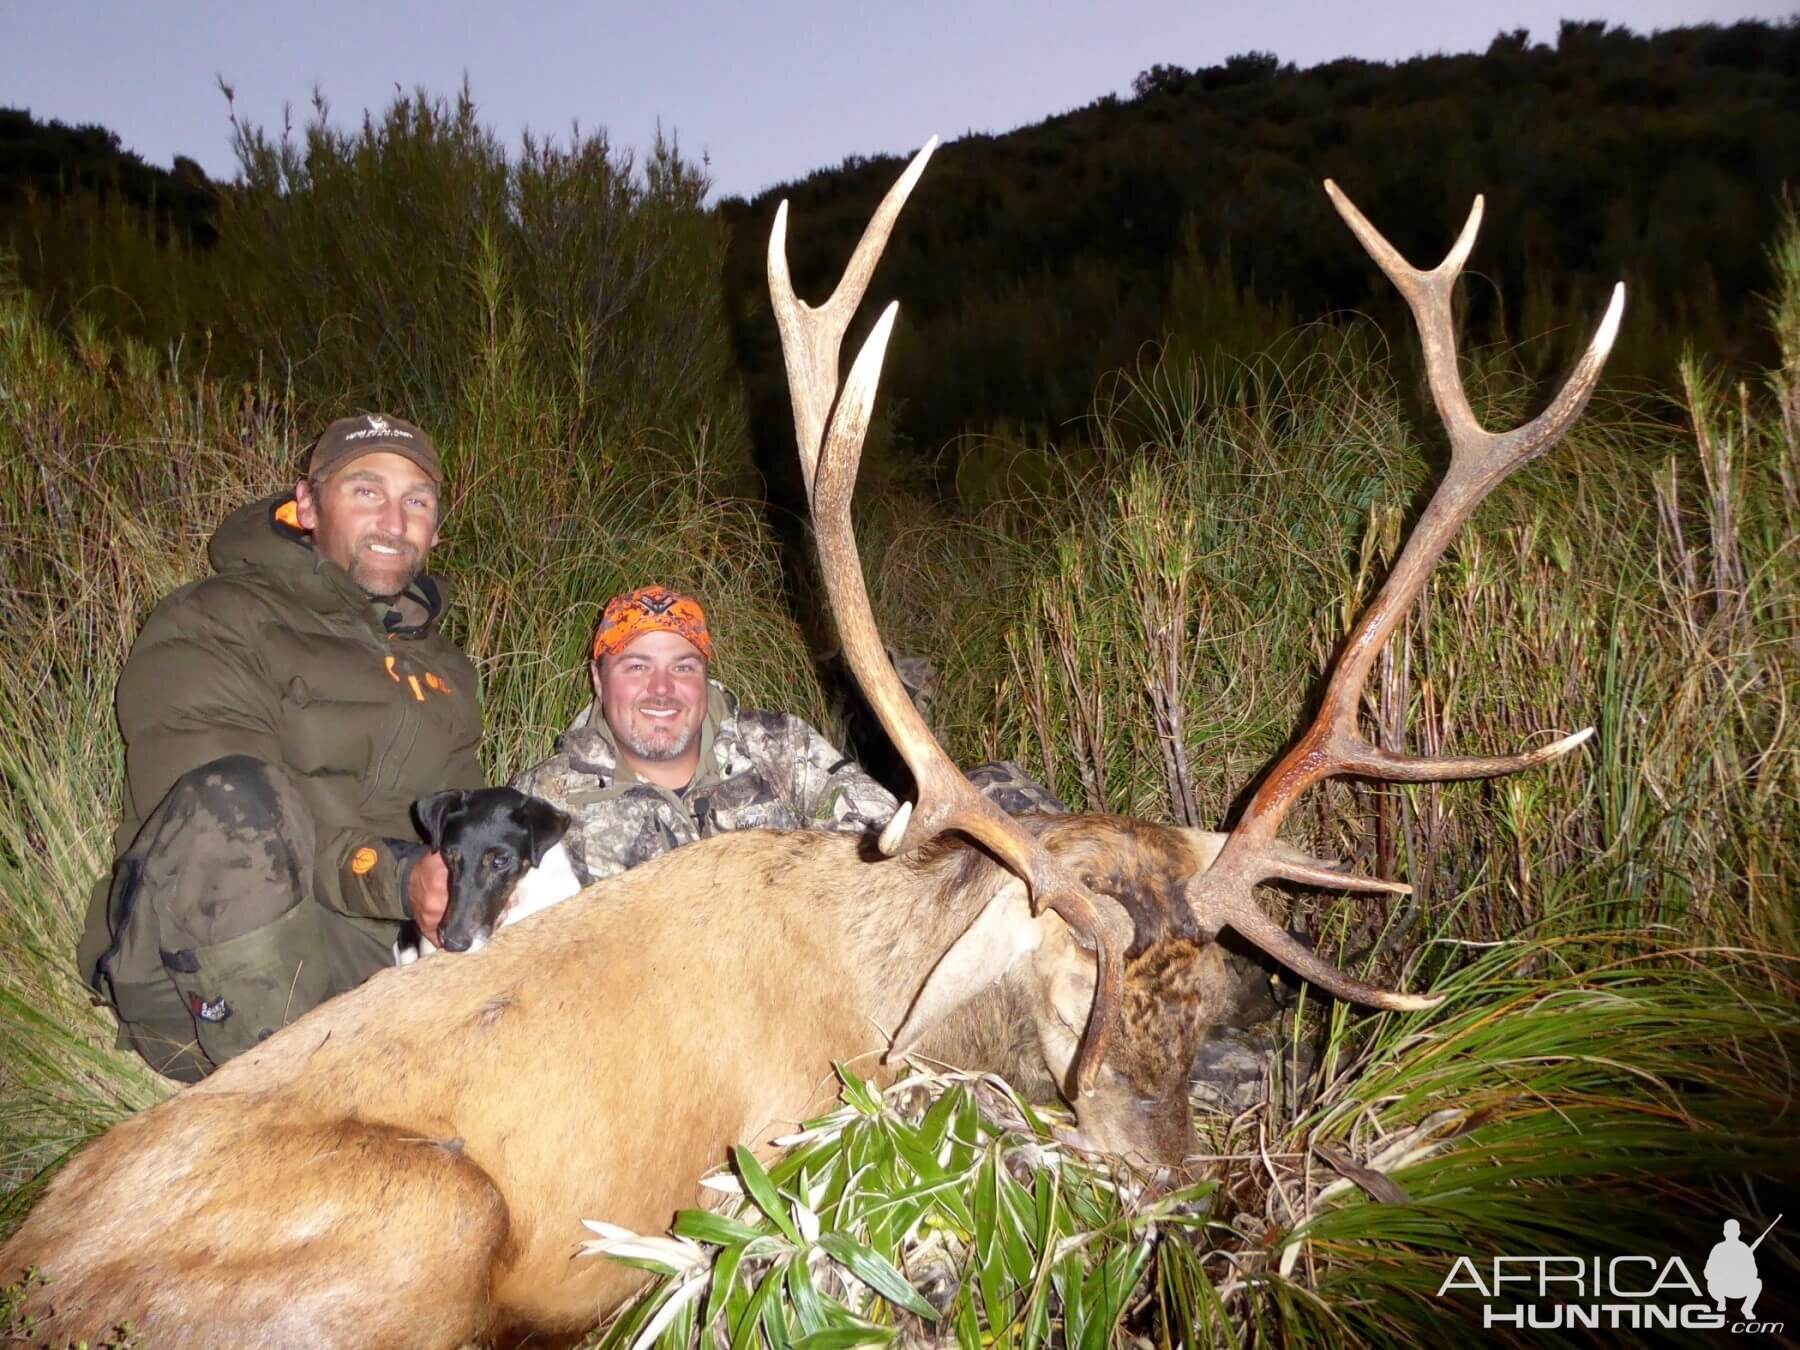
(455, 942)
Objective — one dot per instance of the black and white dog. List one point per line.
(504, 853)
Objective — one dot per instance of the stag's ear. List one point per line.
(1205, 846)
(432, 811)
(1002, 933)
(545, 824)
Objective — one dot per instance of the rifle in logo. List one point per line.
(1731, 1268)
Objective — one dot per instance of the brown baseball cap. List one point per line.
(351, 438)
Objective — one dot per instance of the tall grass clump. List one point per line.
(416, 263)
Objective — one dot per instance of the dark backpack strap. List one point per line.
(127, 881)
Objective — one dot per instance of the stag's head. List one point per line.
(1111, 930)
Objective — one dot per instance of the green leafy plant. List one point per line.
(942, 1203)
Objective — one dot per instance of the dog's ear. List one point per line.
(432, 810)
(545, 824)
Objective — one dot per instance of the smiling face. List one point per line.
(653, 696)
(376, 517)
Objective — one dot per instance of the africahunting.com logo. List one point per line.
(1554, 1293)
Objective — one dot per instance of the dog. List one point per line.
(505, 857)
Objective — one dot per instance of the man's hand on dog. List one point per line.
(428, 893)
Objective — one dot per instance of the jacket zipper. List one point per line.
(409, 717)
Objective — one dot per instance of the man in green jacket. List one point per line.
(280, 717)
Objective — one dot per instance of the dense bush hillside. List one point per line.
(1041, 259)
(43, 164)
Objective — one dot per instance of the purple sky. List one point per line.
(768, 91)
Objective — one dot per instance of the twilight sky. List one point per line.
(768, 91)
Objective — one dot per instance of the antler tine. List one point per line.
(947, 801)
(1425, 291)
(1333, 746)
(1240, 912)
(1483, 457)
(1374, 762)
(811, 338)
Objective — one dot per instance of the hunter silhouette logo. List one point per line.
(1731, 1269)
(1630, 1291)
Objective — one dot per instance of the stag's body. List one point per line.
(388, 1170)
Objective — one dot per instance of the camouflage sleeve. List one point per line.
(1013, 790)
(829, 790)
(540, 780)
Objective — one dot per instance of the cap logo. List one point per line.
(651, 609)
(364, 433)
(379, 426)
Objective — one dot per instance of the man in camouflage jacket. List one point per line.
(280, 716)
(665, 756)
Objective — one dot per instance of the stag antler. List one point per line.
(1332, 746)
(829, 457)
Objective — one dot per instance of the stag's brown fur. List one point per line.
(409, 1164)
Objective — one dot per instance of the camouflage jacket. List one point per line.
(757, 770)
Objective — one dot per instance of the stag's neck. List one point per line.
(905, 913)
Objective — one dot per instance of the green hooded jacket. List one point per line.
(280, 656)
